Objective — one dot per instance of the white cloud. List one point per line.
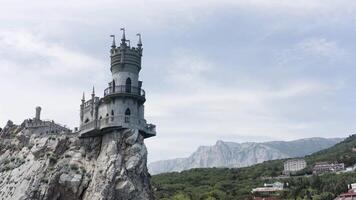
(321, 47)
(199, 109)
(20, 46)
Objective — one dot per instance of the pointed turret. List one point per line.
(93, 93)
(83, 98)
(123, 39)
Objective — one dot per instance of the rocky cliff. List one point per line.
(65, 167)
(231, 154)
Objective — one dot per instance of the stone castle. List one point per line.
(38, 126)
(123, 103)
(104, 158)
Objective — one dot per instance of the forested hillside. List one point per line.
(224, 183)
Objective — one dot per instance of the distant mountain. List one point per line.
(231, 154)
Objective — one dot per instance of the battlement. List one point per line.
(125, 55)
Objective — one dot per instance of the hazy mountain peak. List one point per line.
(232, 154)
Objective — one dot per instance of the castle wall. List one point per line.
(45, 127)
(120, 78)
(87, 115)
(119, 107)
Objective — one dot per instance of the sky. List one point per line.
(232, 70)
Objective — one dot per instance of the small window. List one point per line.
(127, 115)
(128, 85)
(113, 86)
(112, 112)
(86, 121)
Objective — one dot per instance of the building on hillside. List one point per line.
(269, 188)
(325, 167)
(123, 103)
(38, 126)
(350, 195)
(292, 166)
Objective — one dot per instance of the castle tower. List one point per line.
(123, 103)
(38, 113)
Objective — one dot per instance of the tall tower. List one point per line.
(38, 113)
(123, 103)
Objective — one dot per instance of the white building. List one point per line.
(294, 165)
(325, 167)
(272, 187)
(123, 103)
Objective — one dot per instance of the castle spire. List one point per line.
(123, 39)
(113, 41)
(139, 43)
(93, 93)
(83, 99)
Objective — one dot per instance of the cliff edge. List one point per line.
(64, 166)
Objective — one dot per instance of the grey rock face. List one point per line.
(110, 167)
(230, 154)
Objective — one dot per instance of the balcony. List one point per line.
(125, 90)
(94, 128)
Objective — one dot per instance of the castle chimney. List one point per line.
(38, 113)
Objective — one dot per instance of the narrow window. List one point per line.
(113, 86)
(128, 85)
(127, 115)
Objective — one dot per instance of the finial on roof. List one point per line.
(113, 41)
(93, 93)
(139, 43)
(83, 99)
(123, 39)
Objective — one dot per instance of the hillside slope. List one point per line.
(231, 154)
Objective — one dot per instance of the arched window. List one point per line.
(112, 115)
(128, 85)
(127, 115)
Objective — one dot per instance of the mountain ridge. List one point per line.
(232, 154)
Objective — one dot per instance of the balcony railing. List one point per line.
(123, 121)
(124, 89)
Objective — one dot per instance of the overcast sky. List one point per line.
(239, 70)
